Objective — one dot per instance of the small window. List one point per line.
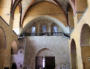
(54, 30)
(44, 29)
(33, 30)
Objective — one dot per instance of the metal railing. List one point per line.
(45, 34)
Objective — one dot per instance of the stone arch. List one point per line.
(50, 20)
(45, 52)
(35, 10)
(73, 55)
(85, 37)
(42, 56)
(85, 45)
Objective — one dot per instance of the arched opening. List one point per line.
(36, 43)
(45, 25)
(14, 66)
(2, 46)
(85, 46)
(73, 55)
(54, 29)
(45, 59)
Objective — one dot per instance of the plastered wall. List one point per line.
(57, 44)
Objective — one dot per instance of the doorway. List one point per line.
(47, 62)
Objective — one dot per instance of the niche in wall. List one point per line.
(85, 46)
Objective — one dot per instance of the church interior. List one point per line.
(44, 34)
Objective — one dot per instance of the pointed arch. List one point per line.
(50, 19)
(73, 55)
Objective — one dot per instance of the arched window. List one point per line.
(14, 66)
(33, 30)
(54, 29)
(44, 29)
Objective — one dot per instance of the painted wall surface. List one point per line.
(57, 44)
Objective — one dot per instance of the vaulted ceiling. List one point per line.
(27, 3)
(63, 3)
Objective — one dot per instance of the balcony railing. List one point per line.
(45, 34)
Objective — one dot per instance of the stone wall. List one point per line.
(58, 45)
(76, 34)
(10, 36)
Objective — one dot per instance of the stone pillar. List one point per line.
(49, 29)
(38, 29)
